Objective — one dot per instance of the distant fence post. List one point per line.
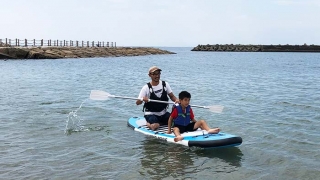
(56, 43)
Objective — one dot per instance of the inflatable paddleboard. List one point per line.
(198, 138)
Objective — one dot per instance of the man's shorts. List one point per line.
(162, 120)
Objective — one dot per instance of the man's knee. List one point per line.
(151, 119)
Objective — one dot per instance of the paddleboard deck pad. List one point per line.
(198, 138)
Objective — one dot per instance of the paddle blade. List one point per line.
(99, 95)
(216, 108)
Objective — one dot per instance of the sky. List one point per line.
(163, 23)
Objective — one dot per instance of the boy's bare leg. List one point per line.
(214, 131)
(176, 132)
(203, 125)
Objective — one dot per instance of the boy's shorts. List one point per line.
(188, 128)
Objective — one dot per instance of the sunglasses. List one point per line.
(155, 74)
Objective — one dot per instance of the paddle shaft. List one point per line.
(102, 95)
(152, 100)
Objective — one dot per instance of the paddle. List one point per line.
(102, 95)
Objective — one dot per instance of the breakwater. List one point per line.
(57, 49)
(75, 52)
(257, 48)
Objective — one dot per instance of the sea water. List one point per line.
(51, 130)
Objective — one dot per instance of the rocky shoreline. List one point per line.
(76, 52)
(257, 48)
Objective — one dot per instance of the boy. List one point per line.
(182, 114)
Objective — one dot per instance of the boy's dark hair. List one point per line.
(184, 94)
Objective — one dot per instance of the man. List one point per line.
(156, 113)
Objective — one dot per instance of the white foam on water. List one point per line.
(73, 123)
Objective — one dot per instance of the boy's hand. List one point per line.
(169, 132)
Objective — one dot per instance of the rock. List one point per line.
(15, 53)
(75, 52)
(258, 48)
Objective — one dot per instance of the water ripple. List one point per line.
(50, 129)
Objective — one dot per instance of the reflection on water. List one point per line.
(161, 159)
(231, 155)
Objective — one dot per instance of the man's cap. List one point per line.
(153, 69)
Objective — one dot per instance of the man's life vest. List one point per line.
(183, 119)
(155, 106)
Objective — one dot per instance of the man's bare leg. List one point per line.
(153, 126)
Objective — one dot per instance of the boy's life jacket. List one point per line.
(183, 119)
(155, 106)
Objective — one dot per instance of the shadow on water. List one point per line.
(161, 159)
